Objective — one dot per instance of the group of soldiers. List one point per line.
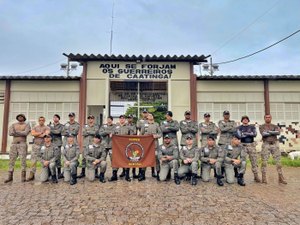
(56, 142)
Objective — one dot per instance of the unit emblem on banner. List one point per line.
(134, 152)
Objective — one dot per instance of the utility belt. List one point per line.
(247, 144)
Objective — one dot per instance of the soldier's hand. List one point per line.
(67, 163)
(212, 161)
(236, 161)
(185, 161)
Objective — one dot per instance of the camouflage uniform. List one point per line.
(151, 129)
(88, 133)
(37, 143)
(105, 131)
(170, 127)
(165, 166)
(270, 145)
(93, 152)
(140, 123)
(234, 152)
(207, 153)
(188, 127)
(48, 153)
(70, 153)
(70, 128)
(55, 132)
(209, 129)
(185, 153)
(18, 147)
(227, 129)
(133, 128)
(247, 134)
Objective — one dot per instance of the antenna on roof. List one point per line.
(112, 28)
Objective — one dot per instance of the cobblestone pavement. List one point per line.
(150, 202)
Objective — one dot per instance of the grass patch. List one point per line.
(4, 164)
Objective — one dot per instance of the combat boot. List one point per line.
(123, 173)
(194, 179)
(82, 174)
(31, 176)
(236, 174)
(219, 181)
(281, 179)
(134, 176)
(73, 179)
(240, 179)
(60, 175)
(176, 179)
(168, 176)
(142, 175)
(96, 174)
(101, 178)
(10, 177)
(54, 179)
(153, 172)
(114, 176)
(157, 176)
(127, 177)
(256, 178)
(264, 178)
(23, 176)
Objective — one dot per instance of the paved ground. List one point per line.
(151, 202)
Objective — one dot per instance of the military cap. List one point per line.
(91, 117)
(71, 114)
(189, 137)
(22, 115)
(169, 113)
(188, 112)
(167, 136)
(122, 116)
(98, 136)
(206, 115)
(245, 117)
(210, 137)
(226, 112)
(70, 135)
(130, 116)
(145, 110)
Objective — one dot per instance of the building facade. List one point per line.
(109, 85)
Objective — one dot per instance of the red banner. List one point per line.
(133, 151)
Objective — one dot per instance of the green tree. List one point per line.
(158, 109)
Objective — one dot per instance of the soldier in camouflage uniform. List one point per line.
(88, 132)
(48, 156)
(211, 156)
(151, 128)
(189, 154)
(168, 156)
(55, 131)
(106, 131)
(227, 128)
(70, 152)
(247, 133)
(95, 155)
(121, 129)
(170, 127)
(71, 128)
(188, 127)
(140, 123)
(38, 132)
(235, 157)
(270, 144)
(19, 131)
(207, 128)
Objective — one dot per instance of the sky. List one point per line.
(35, 33)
